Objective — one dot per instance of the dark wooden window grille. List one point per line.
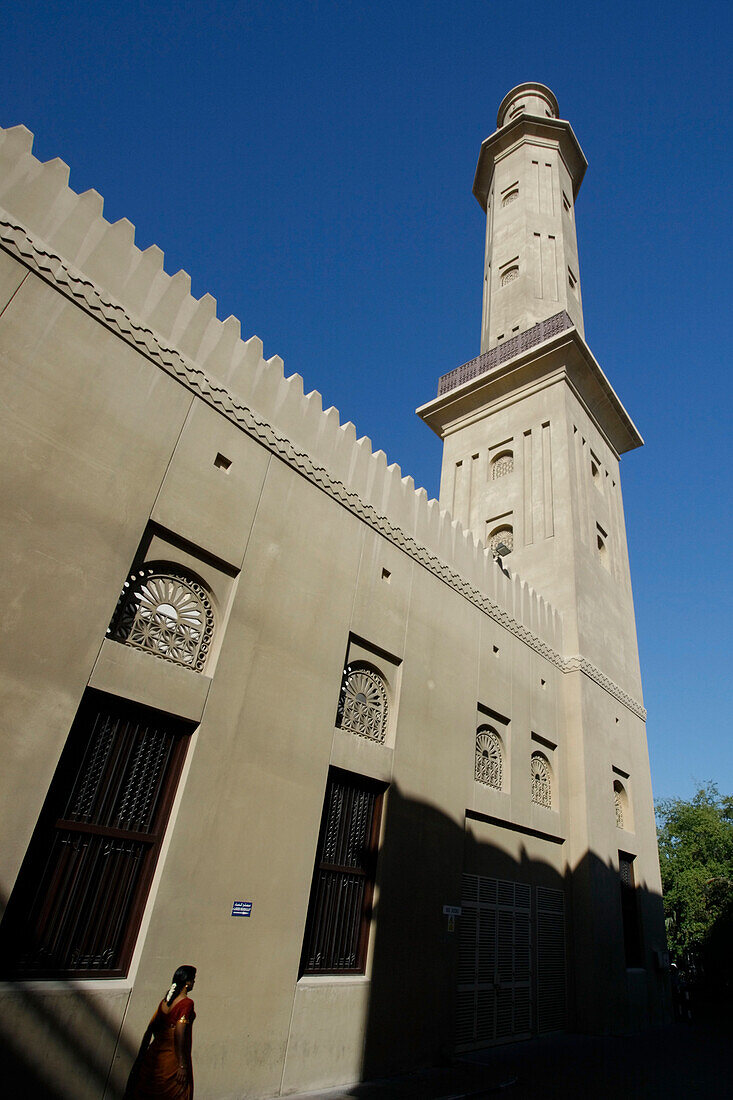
(630, 912)
(77, 905)
(339, 912)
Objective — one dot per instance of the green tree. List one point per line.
(696, 860)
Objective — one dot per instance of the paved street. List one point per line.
(675, 1063)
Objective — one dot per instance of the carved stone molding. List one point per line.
(582, 664)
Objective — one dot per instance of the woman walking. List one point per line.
(163, 1069)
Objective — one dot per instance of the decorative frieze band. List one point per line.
(17, 242)
(582, 664)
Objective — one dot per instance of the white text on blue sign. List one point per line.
(242, 909)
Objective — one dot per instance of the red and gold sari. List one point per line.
(156, 1074)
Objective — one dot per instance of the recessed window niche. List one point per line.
(368, 693)
(502, 464)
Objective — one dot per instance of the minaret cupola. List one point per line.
(527, 99)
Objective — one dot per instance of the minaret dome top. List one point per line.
(527, 99)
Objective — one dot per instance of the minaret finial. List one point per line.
(528, 99)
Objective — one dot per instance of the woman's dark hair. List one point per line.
(182, 976)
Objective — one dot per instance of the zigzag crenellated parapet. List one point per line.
(158, 311)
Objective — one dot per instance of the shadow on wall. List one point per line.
(57, 1040)
(58, 1043)
(412, 1010)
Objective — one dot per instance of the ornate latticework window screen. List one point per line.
(502, 534)
(503, 464)
(630, 911)
(541, 781)
(363, 706)
(78, 901)
(488, 765)
(618, 803)
(167, 613)
(341, 892)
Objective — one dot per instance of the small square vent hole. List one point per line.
(222, 462)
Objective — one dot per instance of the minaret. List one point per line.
(532, 433)
(532, 428)
(527, 179)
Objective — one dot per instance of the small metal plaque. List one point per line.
(241, 908)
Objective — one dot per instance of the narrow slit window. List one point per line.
(630, 911)
(541, 780)
(339, 911)
(488, 765)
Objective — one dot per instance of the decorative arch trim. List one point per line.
(363, 705)
(541, 780)
(620, 803)
(502, 464)
(504, 534)
(488, 768)
(165, 611)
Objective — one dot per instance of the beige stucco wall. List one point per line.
(84, 449)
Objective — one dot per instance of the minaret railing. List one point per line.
(540, 332)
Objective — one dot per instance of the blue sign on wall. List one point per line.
(241, 908)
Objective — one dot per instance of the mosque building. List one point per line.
(378, 761)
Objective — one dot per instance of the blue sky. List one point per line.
(311, 164)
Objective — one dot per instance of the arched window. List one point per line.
(620, 803)
(502, 464)
(165, 611)
(363, 703)
(509, 275)
(541, 780)
(488, 766)
(503, 535)
(510, 197)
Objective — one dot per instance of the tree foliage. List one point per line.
(696, 860)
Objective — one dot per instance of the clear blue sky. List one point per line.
(311, 164)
